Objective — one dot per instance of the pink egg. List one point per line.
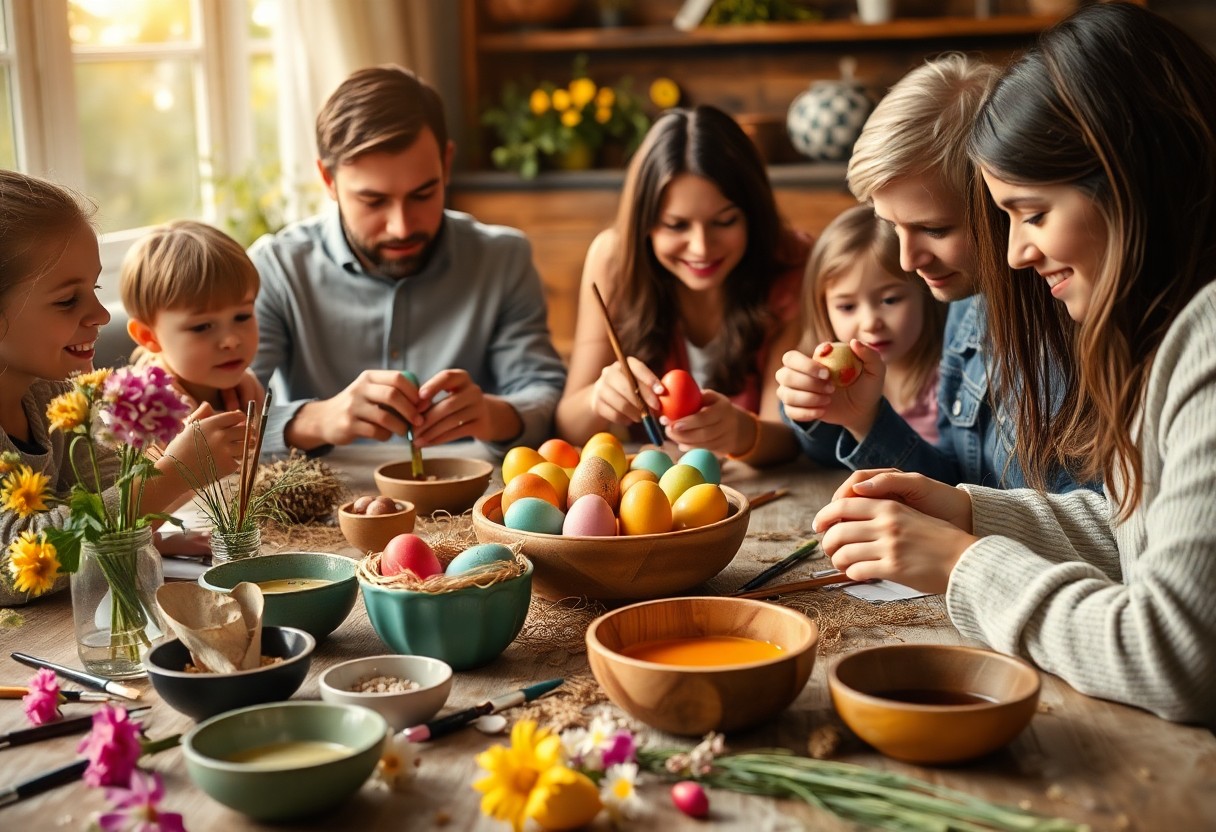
(409, 551)
(590, 516)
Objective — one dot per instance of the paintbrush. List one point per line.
(767, 497)
(784, 565)
(249, 464)
(797, 586)
(18, 691)
(416, 470)
(58, 728)
(80, 677)
(651, 424)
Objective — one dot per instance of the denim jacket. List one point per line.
(973, 447)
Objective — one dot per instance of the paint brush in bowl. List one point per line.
(649, 422)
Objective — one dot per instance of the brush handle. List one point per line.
(653, 431)
(796, 586)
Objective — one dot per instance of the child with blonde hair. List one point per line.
(856, 290)
(189, 290)
(49, 321)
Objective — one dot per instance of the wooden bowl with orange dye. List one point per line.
(693, 699)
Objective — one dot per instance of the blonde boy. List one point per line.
(189, 290)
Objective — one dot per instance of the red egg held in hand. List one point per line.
(409, 551)
(683, 396)
(839, 358)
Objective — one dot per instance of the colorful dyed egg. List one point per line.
(409, 551)
(652, 460)
(645, 509)
(705, 462)
(699, 506)
(590, 516)
(530, 514)
(595, 475)
(528, 484)
(678, 479)
(477, 556)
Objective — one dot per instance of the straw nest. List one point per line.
(447, 541)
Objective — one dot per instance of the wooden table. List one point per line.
(1083, 759)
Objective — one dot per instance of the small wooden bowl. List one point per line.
(695, 700)
(457, 485)
(630, 567)
(371, 532)
(918, 732)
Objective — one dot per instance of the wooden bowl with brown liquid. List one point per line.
(934, 703)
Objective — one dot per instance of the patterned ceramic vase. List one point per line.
(826, 120)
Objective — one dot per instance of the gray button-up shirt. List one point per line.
(476, 306)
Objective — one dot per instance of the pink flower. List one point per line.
(42, 701)
(113, 748)
(139, 408)
(620, 749)
(137, 808)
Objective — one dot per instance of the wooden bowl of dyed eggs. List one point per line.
(450, 484)
(371, 532)
(314, 591)
(285, 760)
(693, 665)
(934, 703)
(627, 567)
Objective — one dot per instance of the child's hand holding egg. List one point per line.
(839, 358)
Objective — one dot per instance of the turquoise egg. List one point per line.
(652, 460)
(705, 462)
(473, 557)
(532, 514)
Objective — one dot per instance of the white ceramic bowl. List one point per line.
(400, 710)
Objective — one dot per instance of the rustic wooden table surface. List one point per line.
(1082, 759)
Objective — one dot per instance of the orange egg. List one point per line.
(518, 460)
(699, 506)
(637, 475)
(556, 476)
(559, 452)
(644, 510)
(612, 454)
(529, 485)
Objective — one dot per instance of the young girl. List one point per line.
(1098, 151)
(189, 289)
(49, 318)
(699, 273)
(855, 289)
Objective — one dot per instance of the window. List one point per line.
(147, 106)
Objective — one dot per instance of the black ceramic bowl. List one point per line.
(203, 695)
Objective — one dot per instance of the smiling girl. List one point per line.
(1098, 155)
(701, 274)
(855, 288)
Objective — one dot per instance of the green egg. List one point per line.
(531, 514)
(652, 460)
(705, 462)
(476, 556)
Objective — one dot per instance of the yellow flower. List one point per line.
(68, 412)
(33, 563)
(9, 461)
(24, 491)
(538, 102)
(664, 93)
(603, 114)
(92, 380)
(606, 97)
(512, 773)
(582, 90)
(572, 118)
(563, 799)
(561, 100)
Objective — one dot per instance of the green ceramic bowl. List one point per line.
(281, 791)
(466, 628)
(318, 611)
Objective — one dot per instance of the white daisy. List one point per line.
(619, 792)
(398, 762)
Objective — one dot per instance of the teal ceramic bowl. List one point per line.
(284, 790)
(465, 628)
(317, 610)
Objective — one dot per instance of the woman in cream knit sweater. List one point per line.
(1098, 150)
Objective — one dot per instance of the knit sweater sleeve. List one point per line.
(1121, 610)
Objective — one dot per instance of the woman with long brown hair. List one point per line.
(1098, 154)
(699, 273)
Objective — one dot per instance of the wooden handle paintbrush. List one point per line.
(649, 422)
(796, 586)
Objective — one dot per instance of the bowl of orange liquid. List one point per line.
(934, 703)
(693, 665)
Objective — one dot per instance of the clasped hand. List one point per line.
(897, 526)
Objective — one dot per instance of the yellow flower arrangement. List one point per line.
(552, 122)
(665, 93)
(24, 491)
(33, 563)
(68, 412)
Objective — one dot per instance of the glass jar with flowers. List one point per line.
(116, 421)
(565, 126)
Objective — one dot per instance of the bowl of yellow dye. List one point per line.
(693, 665)
(285, 760)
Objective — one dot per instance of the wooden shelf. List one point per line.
(834, 31)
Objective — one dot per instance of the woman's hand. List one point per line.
(612, 395)
(718, 426)
(917, 491)
(804, 387)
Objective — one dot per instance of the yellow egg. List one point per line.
(594, 475)
(612, 453)
(679, 478)
(637, 475)
(699, 506)
(518, 460)
(557, 478)
(599, 438)
(563, 798)
(645, 510)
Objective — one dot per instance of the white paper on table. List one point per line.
(881, 591)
